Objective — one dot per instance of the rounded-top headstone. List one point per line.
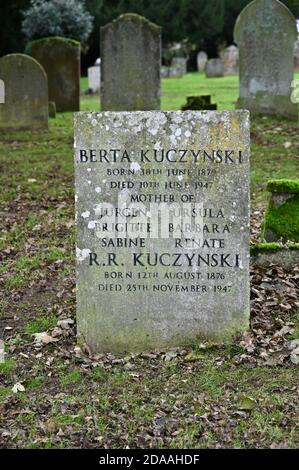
(60, 58)
(265, 33)
(26, 94)
(202, 59)
(131, 62)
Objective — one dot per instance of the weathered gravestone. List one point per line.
(26, 94)
(174, 71)
(214, 68)
(162, 203)
(60, 58)
(180, 63)
(131, 63)
(201, 59)
(230, 59)
(94, 78)
(265, 32)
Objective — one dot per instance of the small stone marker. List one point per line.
(175, 71)
(26, 94)
(200, 103)
(162, 204)
(60, 58)
(265, 32)
(180, 63)
(230, 59)
(214, 68)
(52, 109)
(94, 78)
(201, 59)
(131, 63)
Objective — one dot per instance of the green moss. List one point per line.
(283, 186)
(283, 221)
(56, 38)
(137, 19)
(265, 247)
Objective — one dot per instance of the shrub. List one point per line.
(67, 18)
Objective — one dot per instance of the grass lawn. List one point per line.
(205, 397)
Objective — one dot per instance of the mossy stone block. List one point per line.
(265, 254)
(282, 215)
(200, 103)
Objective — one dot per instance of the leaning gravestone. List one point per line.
(131, 62)
(201, 59)
(265, 32)
(230, 59)
(60, 58)
(162, 204)
(214, 68)
(26, 94)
